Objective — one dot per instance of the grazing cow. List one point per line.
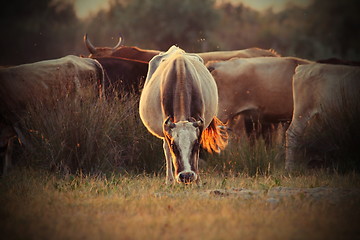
(179, 105)
(316, 87)
(43, 82)
(123, 75)
(244, 53)
(258, 89)
(120, 51)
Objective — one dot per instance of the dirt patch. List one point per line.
(276, 194)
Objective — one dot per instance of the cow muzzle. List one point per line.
(186, 177)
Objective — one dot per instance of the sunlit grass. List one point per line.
(39, 205)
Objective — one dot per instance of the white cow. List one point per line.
(179, 104)
(316, 87)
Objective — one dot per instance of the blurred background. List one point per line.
(312, 29)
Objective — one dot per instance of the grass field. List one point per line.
(39, 205)
(94, 172)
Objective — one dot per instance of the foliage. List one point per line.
(161, 23)
(37, 30)
(335, 25)
(47, 29)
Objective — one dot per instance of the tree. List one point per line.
(158, 24)
(336, 25)
(36, 30)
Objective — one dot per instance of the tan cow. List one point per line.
(316, 87)
(42, 82)
(255, 88)
(244, 53)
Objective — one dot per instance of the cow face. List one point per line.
(183, 139)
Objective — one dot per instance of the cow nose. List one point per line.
(187, 177)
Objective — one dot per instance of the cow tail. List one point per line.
(215, 137)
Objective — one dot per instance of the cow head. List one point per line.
(101, 51)
(120, 51)
(183, 139)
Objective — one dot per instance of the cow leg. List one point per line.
(295, 130)
(3, 155)
(196, 165)
(237, 125)
(169, 170)
(6, 147)
(22, 139)
(7, 159)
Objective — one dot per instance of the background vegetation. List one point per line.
(44, 29)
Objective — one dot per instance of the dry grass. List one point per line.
(89, 136)
(252, 156)
(38, 205)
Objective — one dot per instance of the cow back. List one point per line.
(48, 80)
(123, 75)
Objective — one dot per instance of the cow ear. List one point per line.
(191, 119)
(199, 124)
(210, 68)
(169, 124)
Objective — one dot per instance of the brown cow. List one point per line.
(259, 89)
(42, 82)
(316, 87)
(244, 53)
(120, 51)
(122, 75)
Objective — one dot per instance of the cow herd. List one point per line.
(185, 95)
